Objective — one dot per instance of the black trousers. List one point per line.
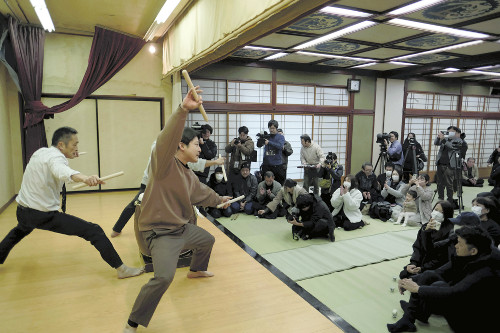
(61, 223)
(128, 211)
(313, 229)
(278, 171)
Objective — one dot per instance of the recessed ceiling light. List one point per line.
(276, 56)
(437, 29)
(451, 69)
(487, 67)
(364, 65)
(344, 12)
(248, 47)
(443, 49)
(336, 34)
(152, 49)
(43, 14)
(484, 73)
(414, 7)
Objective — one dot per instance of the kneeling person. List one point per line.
(316, 219)
(267, 190)
(221, 187)
(285, 201)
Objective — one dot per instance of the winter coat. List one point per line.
(424, 200)
(350, 201)
(244, 186)
(290, 199)
(240, 154)
(263, 199)
(393, 193)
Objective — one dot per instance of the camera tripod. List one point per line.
(382, 157)
(458, 178)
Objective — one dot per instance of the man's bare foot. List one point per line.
(115, 234)
(198, 274)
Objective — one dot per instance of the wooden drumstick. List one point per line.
(195, 95)
(231, 201)
(102, 178)
(223, 170)
(82, 153)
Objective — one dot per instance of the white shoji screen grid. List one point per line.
(490, 140)
(332, 96)
(422, 129)
(213, 90)
(248, 92)
(294, 94)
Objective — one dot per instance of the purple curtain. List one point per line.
(110, 52)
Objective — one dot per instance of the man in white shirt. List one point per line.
(312, 158)
(38, 201)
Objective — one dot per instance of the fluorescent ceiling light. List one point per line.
(344, 12)
(399, 63)
(451, 69)
(276, 56)
(487, 67)
(166, 10)
(260, 48)
(414, 7)
(312, 54)
(437, 29)
(364, 65)
(484, 73)
(337, 34)
(443, 49)
(43, 14)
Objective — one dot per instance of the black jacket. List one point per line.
(208, 152)
(318, 212)
(473, 289)
(222, 188)
(408, 154)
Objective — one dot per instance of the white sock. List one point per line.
(129, 329)
(124, 271)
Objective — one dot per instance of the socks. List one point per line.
(124, 271)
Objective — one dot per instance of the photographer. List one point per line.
(493, 161)
(315, 219)
(410, 165)
(273, 147)
(241, 150)
(208, 150)
(332, 173)
(447, 161)
(311, 157)
(395, 150)
(470, 174)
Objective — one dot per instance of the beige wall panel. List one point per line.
(82, 117)
(126, 131)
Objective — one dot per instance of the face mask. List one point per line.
(477, 210)
(437, 216)
(395, 178)
(219, 176)
(451, 134)
(347, 184)
(388, 173)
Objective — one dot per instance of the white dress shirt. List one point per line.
(43, 179)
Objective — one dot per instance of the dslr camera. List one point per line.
(261, 138)
(198, 128)
(381, 137)
(329, 158)
(292, 216)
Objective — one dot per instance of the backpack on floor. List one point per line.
(381, 210)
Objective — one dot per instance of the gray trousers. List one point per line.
(165, 246)
(311, 179)
(446, 176)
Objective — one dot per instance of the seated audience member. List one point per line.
(391, 189)
(266, 192)
(470, 174)
(285, 200)
(382, 178)
(332, 173)
(426, 252)
(244, 184)
(463, 290)
(315, 219)
(494, 160)
(424, 199)
(368, 185)
(409, 208)
(345, 201)
(486, 208)
(221, 187)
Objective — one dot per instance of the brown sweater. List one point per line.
(173, 188)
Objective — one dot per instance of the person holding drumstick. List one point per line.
(166, 211)
(38, 201)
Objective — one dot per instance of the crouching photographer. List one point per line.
(332, 173)
(315, 219)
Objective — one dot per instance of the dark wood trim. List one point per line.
(107, 97)
(348, 152)
(7, 204)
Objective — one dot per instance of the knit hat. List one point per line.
(218, 169)
(245, 165)
(466, 218)
(290, 182)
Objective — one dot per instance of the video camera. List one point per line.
(412, 141)
(329, 158)
(381, 137)
(261, 138)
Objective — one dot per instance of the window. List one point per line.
(473, 103)
(247, 92)
(294, 94)
(492, 104)
(330, 132)
(419, 101)
(213, 90)
(490, 140)
(332, 96)
(473, 131)
(422, 129)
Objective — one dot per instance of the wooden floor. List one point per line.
(57, 283)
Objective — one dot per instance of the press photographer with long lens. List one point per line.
(413, 157)
(448, 162)
(382, 139)
(273, 143)
(241, 149)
